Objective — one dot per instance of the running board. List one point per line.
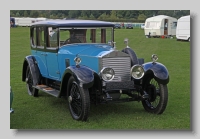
(47, 90)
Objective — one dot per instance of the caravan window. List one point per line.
(152, 24)
(174, 24)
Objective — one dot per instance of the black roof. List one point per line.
(73, 23)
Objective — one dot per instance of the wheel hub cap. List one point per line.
(70, 99)
(26, 80)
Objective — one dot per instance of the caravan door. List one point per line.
(166, 27)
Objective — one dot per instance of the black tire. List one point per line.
(189, 39)
(158, 96)
(29, 83)
(132, 54)
(78, 100)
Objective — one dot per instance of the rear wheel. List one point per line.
(78, 100)
(158, 96)
(29, 83)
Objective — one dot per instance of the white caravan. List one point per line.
(160, 26)
(183, 28)
(40, 19)
(25, 21)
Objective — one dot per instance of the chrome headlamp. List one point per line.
(137, 71)
(77, 60)
(154, 57)
(107, 74)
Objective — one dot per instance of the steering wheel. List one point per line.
(72, 40)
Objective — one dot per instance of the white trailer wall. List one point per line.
(183, 28)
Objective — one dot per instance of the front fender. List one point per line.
(159, 71)
(83, 75)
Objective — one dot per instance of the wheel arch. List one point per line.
(64, 83)
(31, 62)
(156, 70)
(83, 76)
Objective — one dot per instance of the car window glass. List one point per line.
(33, 37)
(41, 38)
(53, 39)
(64, 35)
(100, 35)
(82, 35)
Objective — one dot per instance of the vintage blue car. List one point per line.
(77, 59)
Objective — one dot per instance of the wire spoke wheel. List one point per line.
(158, 96)
(29, 83)
(78, 100)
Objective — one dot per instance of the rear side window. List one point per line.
(41, 38)
(33, 38)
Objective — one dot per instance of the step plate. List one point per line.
(47, 89)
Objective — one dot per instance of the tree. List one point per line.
(26, 14)
(113, 15)
(96, 13)
(34, 13)
(104, 16)
(17, 14)
(74, 13)
(85, 13)
(92, 16)
(120, 13)
(141, 17)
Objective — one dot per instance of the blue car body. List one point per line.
(78, 59)
(47, 69)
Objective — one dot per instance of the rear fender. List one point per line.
(31, 62)
(158, 70)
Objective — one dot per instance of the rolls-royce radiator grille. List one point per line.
(121, 66)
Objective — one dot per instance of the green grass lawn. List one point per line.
(48, 112)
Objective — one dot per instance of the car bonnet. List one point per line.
(94, 50)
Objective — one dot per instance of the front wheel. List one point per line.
(158, 96)
(78, 100)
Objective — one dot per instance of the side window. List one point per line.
(33, 38)
(41, 38)
(53, 37)
(79, 34)
(100, 35)
(63, 36)
(175, 24)
(148, 24)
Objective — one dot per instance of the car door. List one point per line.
(38, 49)
(51, 54)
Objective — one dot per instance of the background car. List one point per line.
(142, 26)
(78, 60)
(129, 26)
(118, 26)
